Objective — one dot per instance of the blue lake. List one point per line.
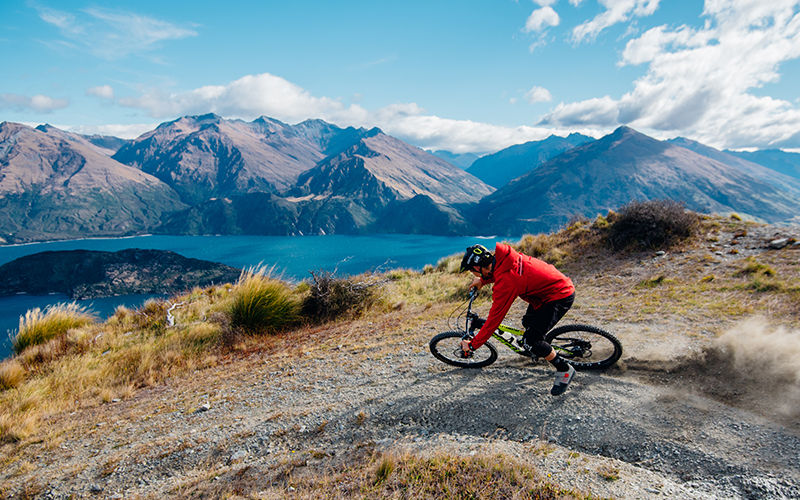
(292, 257)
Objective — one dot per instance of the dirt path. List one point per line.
(613, 434)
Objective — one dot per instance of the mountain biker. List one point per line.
(547, 291)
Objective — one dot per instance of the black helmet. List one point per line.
(476, 256)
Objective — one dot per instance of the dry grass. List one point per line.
(387, 475)
(262, 304)
(96, 363)
(12, 373)
(329, 298)
(38, 327)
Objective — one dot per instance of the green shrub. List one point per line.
(38, 327)
(650, 225)
(330, 297)
(260, 303)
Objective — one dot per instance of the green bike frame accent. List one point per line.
(512, 342)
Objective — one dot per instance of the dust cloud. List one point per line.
(754, 365)
(761, 362)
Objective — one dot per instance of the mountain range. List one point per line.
(209, 175)
(57, 185)
(500, 168)
(626, 165)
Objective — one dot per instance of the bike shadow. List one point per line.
(510, 397)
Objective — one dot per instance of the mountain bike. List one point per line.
(585, 347)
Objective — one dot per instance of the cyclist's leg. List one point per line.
(538, 322)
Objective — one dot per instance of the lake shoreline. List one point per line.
(292, 258)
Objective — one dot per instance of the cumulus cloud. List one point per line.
(541, 18)
(458, 136)
(616, 11)
(538, 94)
(701, 82)
(112, 34)
(266, 94)
(248, 97)
(38, 102)
(102, 91)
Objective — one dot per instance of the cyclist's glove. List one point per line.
(468, 354)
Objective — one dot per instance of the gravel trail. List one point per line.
(309, 410)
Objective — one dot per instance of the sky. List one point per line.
(463, 76)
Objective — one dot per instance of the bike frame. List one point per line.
(506, 335)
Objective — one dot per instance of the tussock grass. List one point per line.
(262, 304)
(96, 363)
(389, 475)
(38, 327)
(450, 264)
(752, 266)
(83, 363)
(12, 373)
(542, 246)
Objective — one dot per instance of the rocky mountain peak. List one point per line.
(627, 165)
(269, 125)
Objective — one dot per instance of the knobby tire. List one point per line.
(585, 347)
(446, 347)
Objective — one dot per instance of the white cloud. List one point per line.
(700, 82)
(265, 94)
(102, 91)
(603, 111)
(127, 131)
(616, 11)
(538, 94)
(112, 34)
(248, 97)
(38, 102)
(461, 136)
(541, 18)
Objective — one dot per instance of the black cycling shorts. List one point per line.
(538, 322)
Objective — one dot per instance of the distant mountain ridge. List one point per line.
(461, 160)
(209, 175)
(56, 185)
(624, 166)
(742, 163)
(193, 174)
(207, 156)
(348, 193)
(500, 168)
(781, 161)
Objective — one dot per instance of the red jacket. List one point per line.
(518, 275)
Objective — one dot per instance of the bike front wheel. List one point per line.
(585, 347)
(446, 347)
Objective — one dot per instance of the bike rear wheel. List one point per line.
(446, 347)
(585, 347)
